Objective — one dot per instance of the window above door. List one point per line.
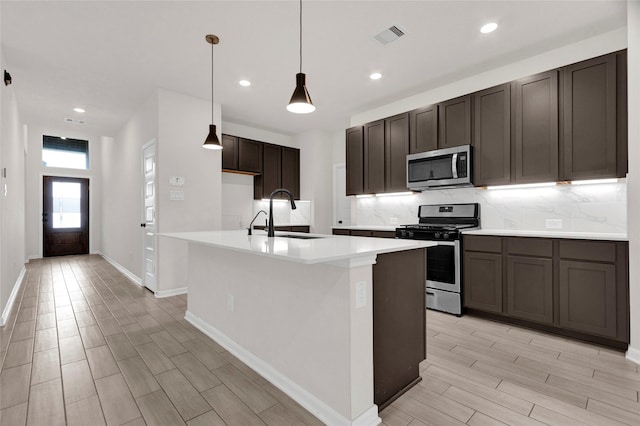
(65, 153)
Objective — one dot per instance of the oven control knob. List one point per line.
(437, 235)
(445, 235)
(403, 233)
(410, 234)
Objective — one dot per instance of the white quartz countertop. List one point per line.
(325, 249)
(549, 234)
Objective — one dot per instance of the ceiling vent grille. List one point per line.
(390, 34)
(73, 121)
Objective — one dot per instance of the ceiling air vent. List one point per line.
(390, 34)
(73, 121)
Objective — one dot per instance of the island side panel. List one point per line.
(399, 322)
(299, 319)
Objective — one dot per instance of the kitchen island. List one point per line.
(299, 309)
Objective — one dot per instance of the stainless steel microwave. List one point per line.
(450, 167)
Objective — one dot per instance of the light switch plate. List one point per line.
(176, 195)
(553, 223)
(361, 294)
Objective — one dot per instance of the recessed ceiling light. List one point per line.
(245, 83)
(488, 28)
(79, 109)
(375, 76)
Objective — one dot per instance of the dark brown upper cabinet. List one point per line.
(280, 169)
(355, 160)
(492, 136)
(241, 155)
(249, 156)
(424, 129)
(374, 157)
(270, 179)
(536, 128)
(396, 150)
(589, 119)
(229, 153)
(291, 170)
(454, 122)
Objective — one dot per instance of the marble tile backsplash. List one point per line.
(582, 208)
(282, 213)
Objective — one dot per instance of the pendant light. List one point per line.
(300, 102)
(212, 141)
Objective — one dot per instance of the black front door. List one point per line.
(65, 216)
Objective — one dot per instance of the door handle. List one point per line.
(143, 225)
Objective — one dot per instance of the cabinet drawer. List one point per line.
(383, 234)
(341, 231)
(483, 243)
(540, 247)
(360, 233)
(300, 228)
(599, 251)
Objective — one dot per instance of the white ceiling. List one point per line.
(110, 56)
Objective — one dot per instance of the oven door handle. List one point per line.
(454, 165)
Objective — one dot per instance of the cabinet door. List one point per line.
(536, 128)
(589, 119)
(587, 297)
(229, 152)
(492, 136)
(423, 129)
(454, 122)
(530, 288)
(374, 157)
(355, 160)
(396, 150)
(337, 231)
(249, 156)
(271, 169)
(482, 285)
(291, 170)
(361, 233)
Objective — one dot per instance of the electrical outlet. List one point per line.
(176, 195)
(230, 302)
(553, 223)
(361, 294)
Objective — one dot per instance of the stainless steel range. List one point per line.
(442, 223)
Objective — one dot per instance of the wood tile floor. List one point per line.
(85, 346)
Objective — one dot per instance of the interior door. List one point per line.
(149, 223)
(65, 216)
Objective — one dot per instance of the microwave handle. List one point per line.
(454, 165)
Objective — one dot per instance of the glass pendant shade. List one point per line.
(300, 102)
(212, 141)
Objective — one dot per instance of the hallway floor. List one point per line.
(85, 346)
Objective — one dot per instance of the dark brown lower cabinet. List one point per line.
(399, 323)
(576, 288)
(292, 228)
(483, 281)
(588, 297)
(530, 288)
(364, 233)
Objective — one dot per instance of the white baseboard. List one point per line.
(171, 292)
(12, 297)
(136, 279)
(303, 397)
(633, 354)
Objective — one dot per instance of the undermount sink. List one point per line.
(300, 237)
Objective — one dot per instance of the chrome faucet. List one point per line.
(271, 231)
(254, 219)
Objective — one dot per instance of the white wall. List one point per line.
(183, 123)
(35, 172)
(254, 133)
(633, 177)
(122, 189)
(316, 177)
(12, 202)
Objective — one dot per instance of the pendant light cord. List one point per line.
(211, 83)
(300, 36)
